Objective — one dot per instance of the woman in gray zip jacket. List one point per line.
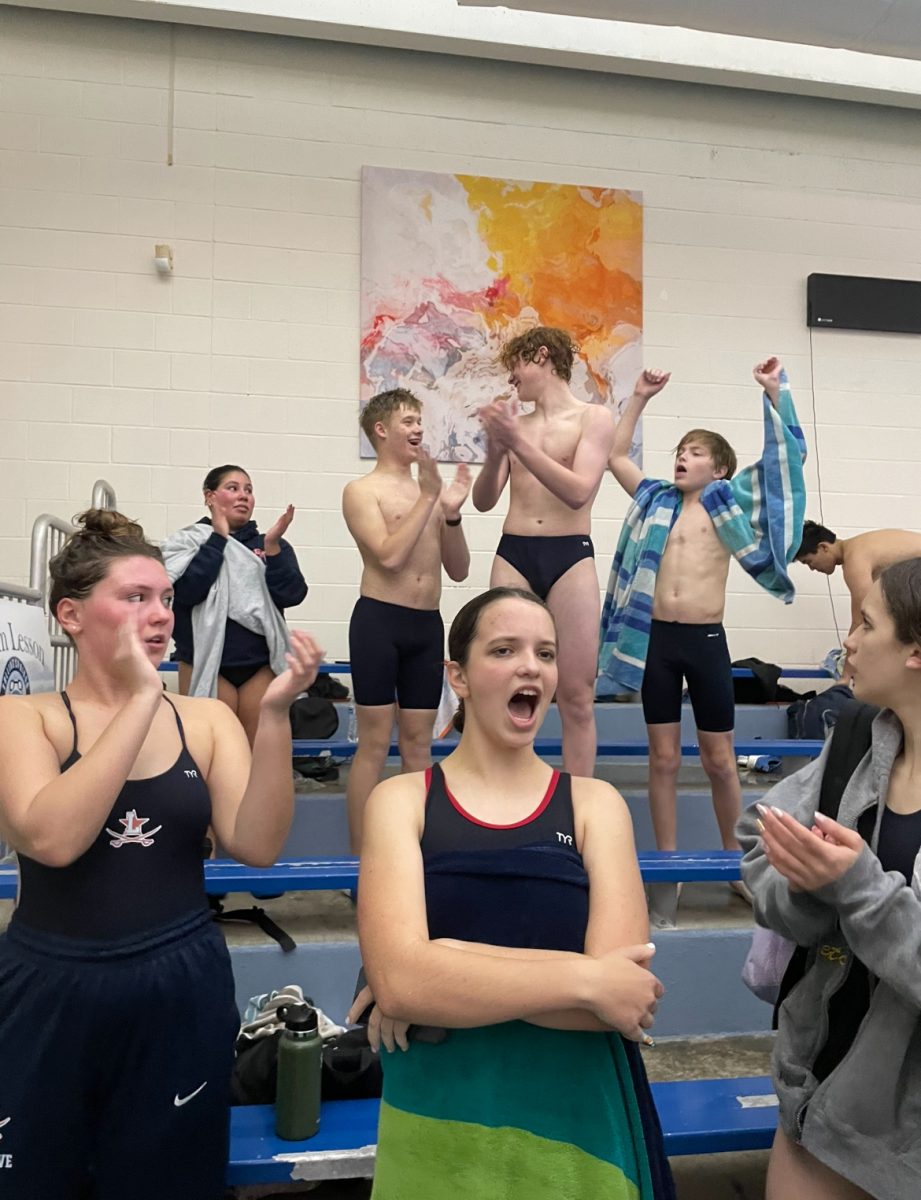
(847, 1059)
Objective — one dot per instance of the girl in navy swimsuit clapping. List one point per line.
(117, 1015)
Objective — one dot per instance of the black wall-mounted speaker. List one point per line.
(859, 302)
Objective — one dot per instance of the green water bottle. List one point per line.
(300, 1056)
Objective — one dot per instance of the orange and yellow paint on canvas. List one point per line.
(453, 265)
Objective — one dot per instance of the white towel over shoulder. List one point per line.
(239, 593)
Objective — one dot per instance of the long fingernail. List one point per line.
(761, 809)
(647, 1040)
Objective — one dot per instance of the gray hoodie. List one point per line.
(864, 1119)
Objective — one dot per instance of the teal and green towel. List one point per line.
(511, 1112)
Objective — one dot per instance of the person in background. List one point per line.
(860, 558)
(407, 528)
(232, 585)
(663, 614)
(553, 458)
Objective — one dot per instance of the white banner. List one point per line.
(26, 660)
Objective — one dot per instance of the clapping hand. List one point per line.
(303, 659)
(132, 666)
(219, 522)
(500, 423)
(276, 533)
(429, 478)
(808, 858)
(455, 493)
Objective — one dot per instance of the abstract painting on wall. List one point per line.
(454, 265)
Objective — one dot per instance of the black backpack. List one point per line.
(813, 715)
(313, 717)
(850, 740)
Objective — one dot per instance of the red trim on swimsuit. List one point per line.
(548, 796)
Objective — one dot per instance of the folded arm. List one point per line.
(417, 980)
(617, 916)
(422, 981)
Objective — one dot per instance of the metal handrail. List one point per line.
(49, 533)
(18, 591)
(48, 536)
(103, 494)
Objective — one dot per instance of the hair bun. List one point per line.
(106, 522)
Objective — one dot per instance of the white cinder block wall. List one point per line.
(249, 351)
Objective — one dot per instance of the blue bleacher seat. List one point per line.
(341, 874)
(699, 1116)
(553, 748)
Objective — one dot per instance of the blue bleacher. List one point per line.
(344, 668)
(699, 1116)
(341, 874)
(553, 748)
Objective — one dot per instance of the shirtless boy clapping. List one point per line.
(406, 529)
(554, 459)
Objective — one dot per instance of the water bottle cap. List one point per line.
(301, 1018)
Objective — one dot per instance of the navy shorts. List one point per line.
(396, 653)
(700, 655)
(115, 1064)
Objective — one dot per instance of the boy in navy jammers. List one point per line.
(662, 619)
(406, 530)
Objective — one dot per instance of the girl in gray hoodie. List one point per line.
(847, 1059)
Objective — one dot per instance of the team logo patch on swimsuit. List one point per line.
(134, 834)
(6, 1160)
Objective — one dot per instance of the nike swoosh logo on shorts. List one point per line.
(179, 1101)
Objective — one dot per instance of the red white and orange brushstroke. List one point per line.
(454, 265)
